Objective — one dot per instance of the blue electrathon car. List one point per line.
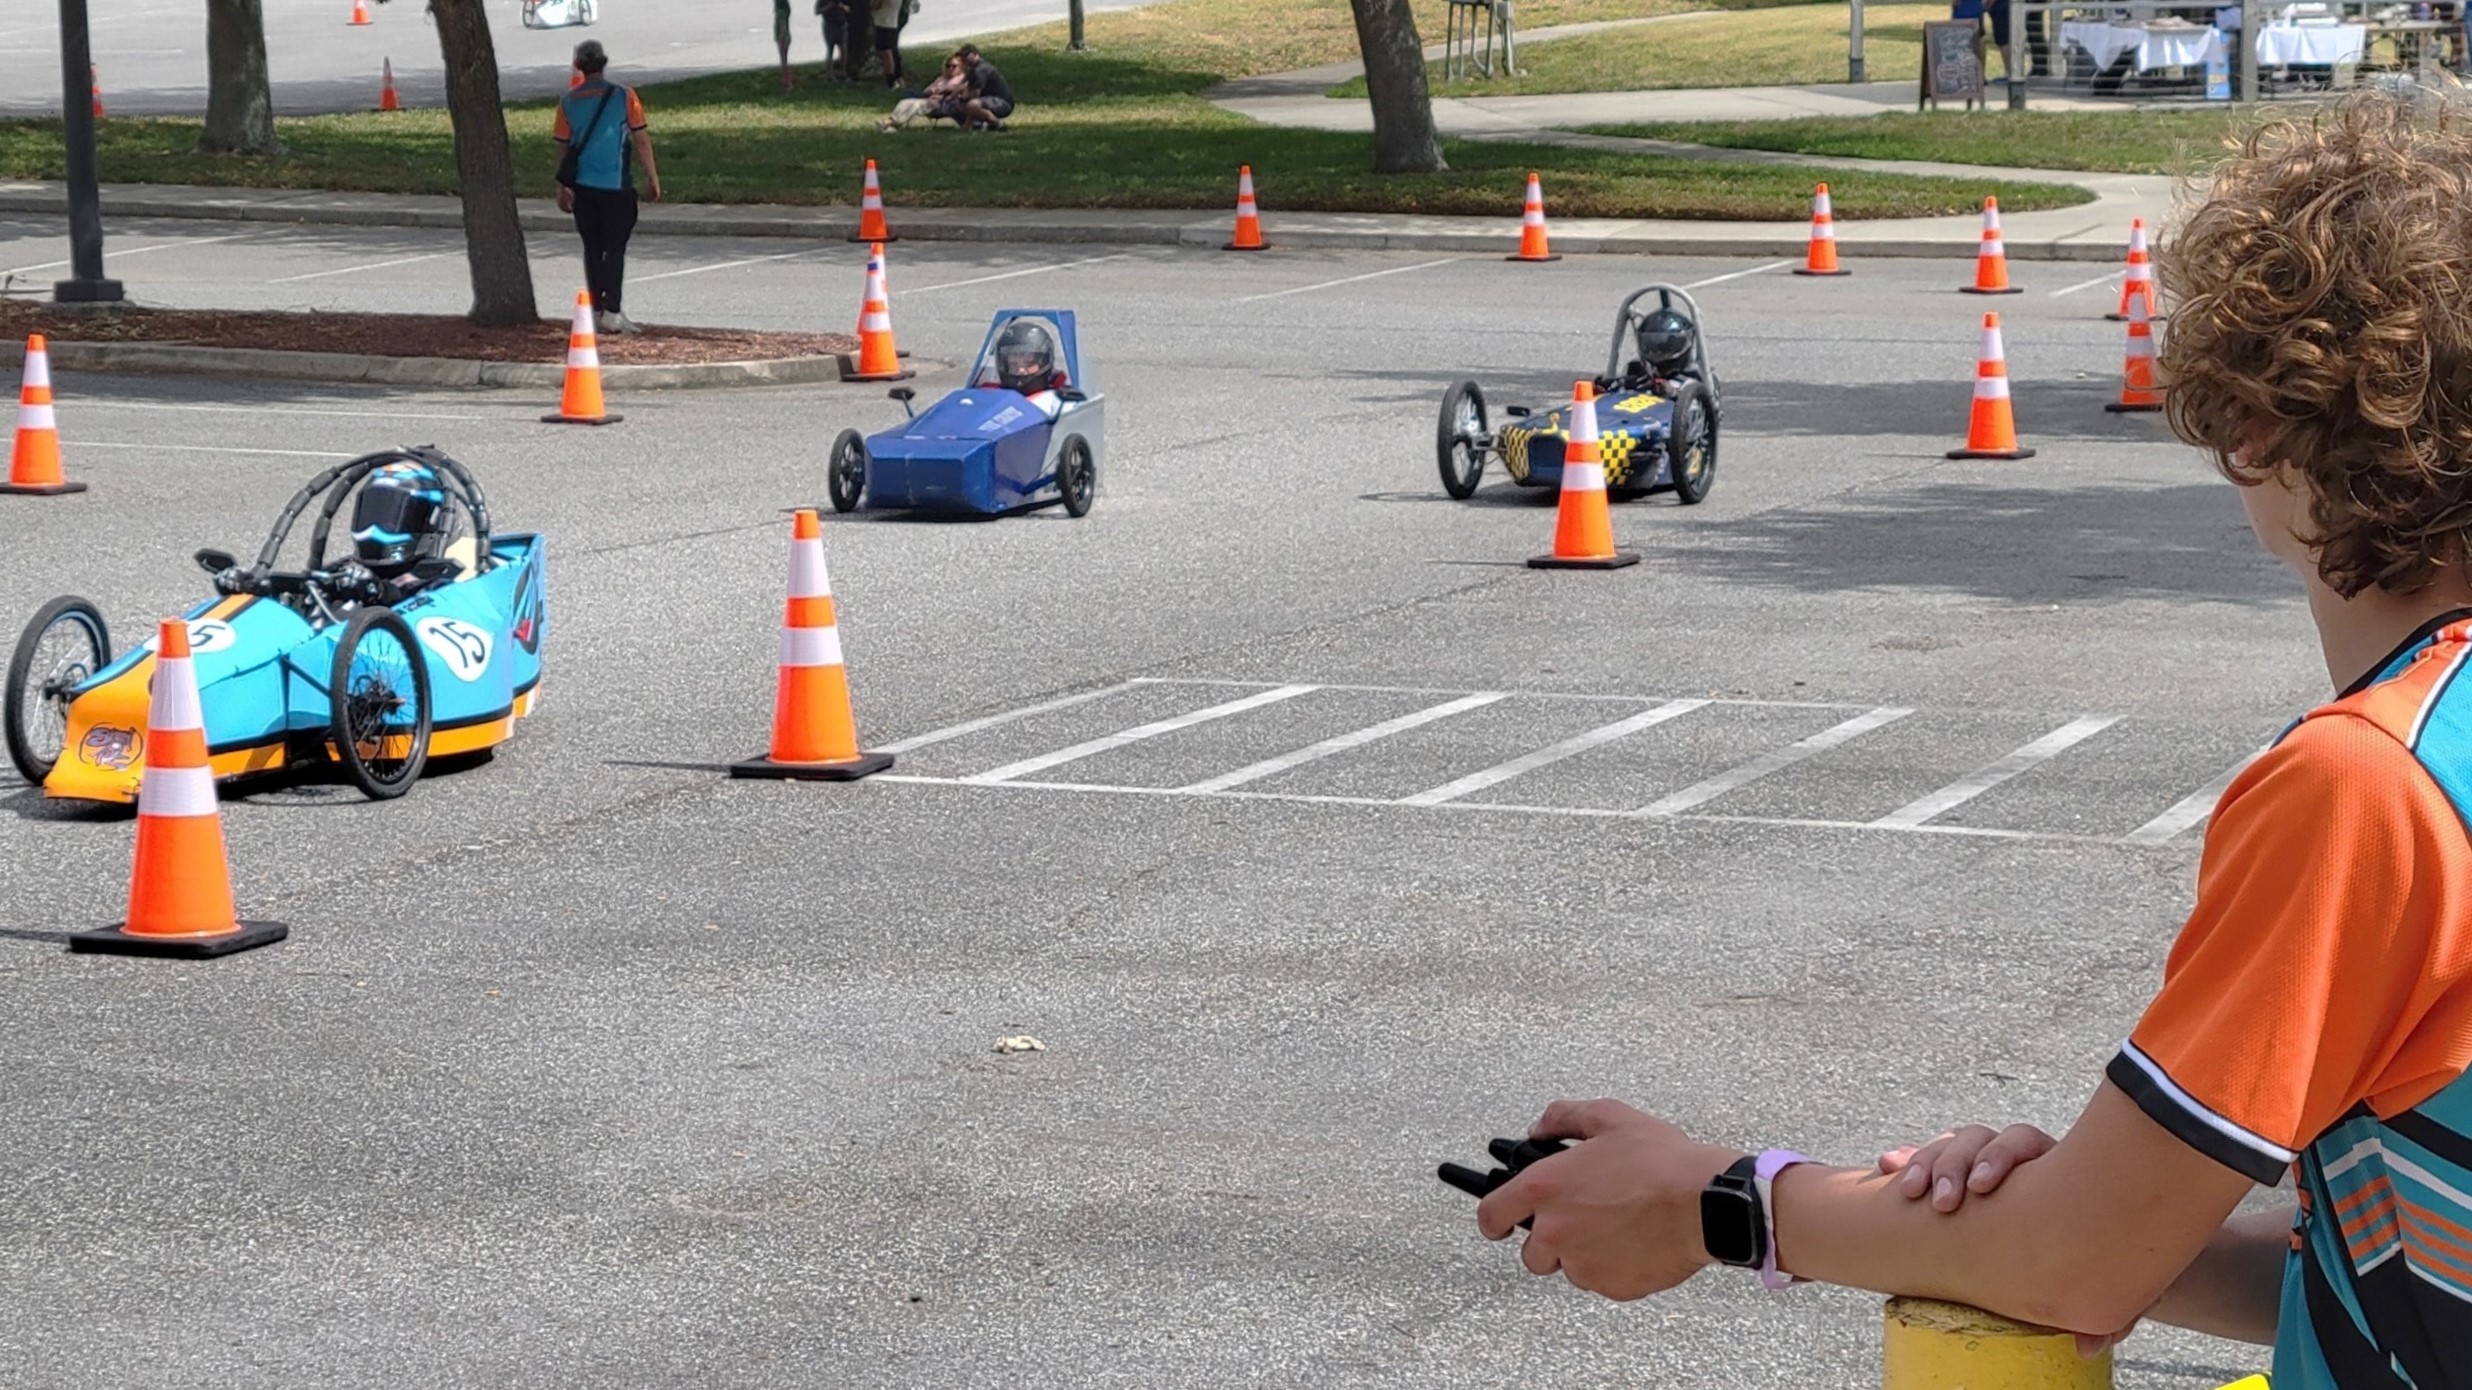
(1026, 431)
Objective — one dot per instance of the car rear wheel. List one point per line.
(379, 695)
(1691, 446)
(1459, 439)
(1077, 476)
(65, 644)
(846, 472)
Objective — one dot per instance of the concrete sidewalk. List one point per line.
(2091, 232)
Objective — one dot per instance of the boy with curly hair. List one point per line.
(2315, 1014)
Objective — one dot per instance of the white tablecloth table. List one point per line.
(2156, 48)
(2310, 45)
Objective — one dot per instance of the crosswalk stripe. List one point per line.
(1766, 763)
(1552, 753)
(1136, 734)
(1342, 743)
(1913, 814)
(2190, 809)
(992, 721)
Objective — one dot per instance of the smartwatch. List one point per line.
(1733, 1220)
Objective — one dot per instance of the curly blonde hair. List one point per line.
(2321, 322)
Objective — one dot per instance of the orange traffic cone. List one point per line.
(871, 224)
(1583, 527)
(1823, 257)
(34, 458)
(360, 11)
(2140, 281)
(1991, 431)
(878, 359)
(2138, 391)
(95, 84)
(180, 888)
(813, 737)
(1991, 263)
(1532, 244)
(580, 403)
(387, 100)
(1248, 216)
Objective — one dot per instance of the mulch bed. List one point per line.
(405, 335)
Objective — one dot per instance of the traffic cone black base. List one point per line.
(850, 371)
(849, 770)
(2117, 408)
(1991, 453)
(39, 489)
(1536, 260)
(1969, 289)
(1614, 561)
(112, 941)
(1805, 270)
(610, 419)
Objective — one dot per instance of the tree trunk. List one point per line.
(1076, 42)
(493, 237)
(240, 112)
(1403, 136)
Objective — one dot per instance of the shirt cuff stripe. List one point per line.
(2260, 1160)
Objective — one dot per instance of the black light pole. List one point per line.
(86, 285)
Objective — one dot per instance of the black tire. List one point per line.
(367, 693)
(39, 681)
(1691, 445)
(1077, 476)
(1458, 449)
(845, 472)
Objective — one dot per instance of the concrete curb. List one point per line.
(1355, 231)
(173, 359)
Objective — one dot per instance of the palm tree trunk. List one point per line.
(240, 111)
(1404, 141)
(484, 174)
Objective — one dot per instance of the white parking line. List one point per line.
(2090, 284)
(2190, 809)
(1755, 270)
(1352, 279)
(972, 726)
(134, 251)
(1914, 813)
(357, 269)
(208, 449)
(1551, 753)
(1045, 761)
(1341, 744)
(723, 265)
(1752, 771)
(1009, 274)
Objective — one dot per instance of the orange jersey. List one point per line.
(2316, 1013)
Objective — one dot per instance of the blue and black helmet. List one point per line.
(399, 519)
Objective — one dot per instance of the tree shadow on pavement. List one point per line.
(2013, 542)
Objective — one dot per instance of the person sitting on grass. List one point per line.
(993, 102)
(2315, 1014)
(942, 100)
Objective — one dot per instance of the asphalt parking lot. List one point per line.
(1317, 838)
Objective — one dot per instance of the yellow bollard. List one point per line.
(1930, 1345)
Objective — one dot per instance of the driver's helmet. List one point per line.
(400, 519)
(1667, 341)
(1026, 357)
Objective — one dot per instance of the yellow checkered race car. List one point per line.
(1657, 413)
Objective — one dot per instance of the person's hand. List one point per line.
(566, 198)
(654, 180)
(1617, 1213)
(1969, 1159)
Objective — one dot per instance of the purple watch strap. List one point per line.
(1763, 1174)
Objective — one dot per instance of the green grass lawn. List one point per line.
(1730, 44)
(1117, 127)
(2124, 142)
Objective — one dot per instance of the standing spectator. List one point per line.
(838, 58)
(598, 123)
(891, 17)
(994, 96)
(781, 41)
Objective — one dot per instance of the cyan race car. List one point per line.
(1026, 432)
(1656, 409)
(306, 666)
